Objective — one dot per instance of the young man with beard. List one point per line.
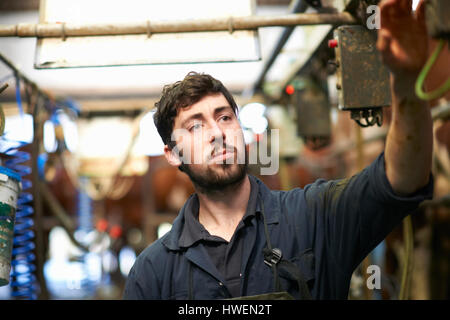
(234, 237)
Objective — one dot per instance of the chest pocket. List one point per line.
(298, 274)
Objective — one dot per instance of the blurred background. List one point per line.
(77, 127)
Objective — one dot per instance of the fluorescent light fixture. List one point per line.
(192, 47)
(296, 52)
(104, 137)
(103, 142)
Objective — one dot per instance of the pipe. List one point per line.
(63, 30)
(61, 215)
(2, 114)
(38, 131)
(22, 76)
(3, 87)
(299, 6)
(408, 259)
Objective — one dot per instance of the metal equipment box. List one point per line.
(362, 79)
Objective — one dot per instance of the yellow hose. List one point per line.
(408, 259)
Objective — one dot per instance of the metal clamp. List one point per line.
(63, 31)
(272, 257)
(230, 25)
(149, 29)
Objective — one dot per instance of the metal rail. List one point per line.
(64, 30)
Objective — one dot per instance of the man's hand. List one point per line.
(403, 39)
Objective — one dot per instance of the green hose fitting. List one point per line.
(424, 73)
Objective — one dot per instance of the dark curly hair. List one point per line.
(181, 94)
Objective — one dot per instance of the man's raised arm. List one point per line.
(402, 41)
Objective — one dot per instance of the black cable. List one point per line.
(276, 282)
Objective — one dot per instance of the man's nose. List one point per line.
(215, 133)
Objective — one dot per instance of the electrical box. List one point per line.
(437, 16)
(363, 81)
(362, 78)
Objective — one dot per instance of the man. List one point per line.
(234, 237)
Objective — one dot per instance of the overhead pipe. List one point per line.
(19, 74)
(66, 29)
(298, 7)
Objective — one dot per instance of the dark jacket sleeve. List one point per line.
(357, 213)
(141, 282)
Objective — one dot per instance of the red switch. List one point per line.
(102, 225)
(115, 232)
(290, 89)
(333, 43)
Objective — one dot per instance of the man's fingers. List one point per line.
(420, 13)
(390, 12)
(384, 40)
(405, 6)
(396, 7)
(384, 4)
(384, 46)
(386, 8)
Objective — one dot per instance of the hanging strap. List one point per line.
(273, 257)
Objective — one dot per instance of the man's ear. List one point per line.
(171, 156)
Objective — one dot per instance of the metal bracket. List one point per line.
(272, 257)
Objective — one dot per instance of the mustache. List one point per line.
(220, 149)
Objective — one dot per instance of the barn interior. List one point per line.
(79, 81)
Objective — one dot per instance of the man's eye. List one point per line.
(225, 118)
(196, 126)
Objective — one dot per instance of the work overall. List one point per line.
(273, 257)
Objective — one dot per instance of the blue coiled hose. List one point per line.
(85, 226)
(23, 279)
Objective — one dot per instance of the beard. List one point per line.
(216, 178)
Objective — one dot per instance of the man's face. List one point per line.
(209, 143)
